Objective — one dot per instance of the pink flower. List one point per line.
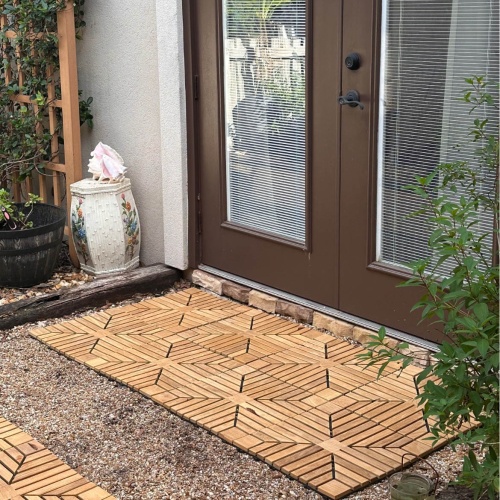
(123, 196)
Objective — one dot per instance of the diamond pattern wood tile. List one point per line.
(28, 471)
(292, 396)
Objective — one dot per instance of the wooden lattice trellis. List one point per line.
(65, 167)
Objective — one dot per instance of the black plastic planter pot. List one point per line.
(28, 257)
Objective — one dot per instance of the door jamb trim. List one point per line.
(191, 70)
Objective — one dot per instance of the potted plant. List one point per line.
(32, 134)
(31, 234)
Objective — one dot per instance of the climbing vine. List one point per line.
(29, 66)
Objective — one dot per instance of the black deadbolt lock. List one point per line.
(353, 61)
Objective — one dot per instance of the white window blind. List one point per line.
(429, 47)
(264, 93)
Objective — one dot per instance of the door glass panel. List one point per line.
(264, 109)
(428, 49)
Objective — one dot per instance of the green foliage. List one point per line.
(13, 217)
(29, 64)
(462, 385)
(381, 353)
(25, 143)
(85, 110)
(251, 17)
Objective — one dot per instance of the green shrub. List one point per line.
(462, 384)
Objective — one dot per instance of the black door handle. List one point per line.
(351, 99)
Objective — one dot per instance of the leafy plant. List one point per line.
(25, 143)
(13, 216)
(29, 66)
(250, 18)
(85, 110)
(253, 20)
(461, 385)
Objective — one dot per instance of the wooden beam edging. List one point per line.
(96, 293)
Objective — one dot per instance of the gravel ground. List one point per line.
(132, 447)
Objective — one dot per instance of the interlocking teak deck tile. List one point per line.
(292, 396)
(28, 471)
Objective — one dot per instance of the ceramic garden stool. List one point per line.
(105, 226)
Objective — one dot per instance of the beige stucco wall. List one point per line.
(126, 65)
(173, 131)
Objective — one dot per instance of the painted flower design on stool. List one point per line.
(131, 225)
(79, 232)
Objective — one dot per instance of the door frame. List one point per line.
(190, 68)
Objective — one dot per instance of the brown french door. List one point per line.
(326, 259)
(289, 140)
